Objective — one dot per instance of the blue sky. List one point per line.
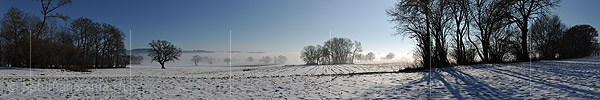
(262, 25)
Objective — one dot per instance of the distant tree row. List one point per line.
(389, 56)
(501, 31)
(199, 59)
(266, 59)
(361, 57)
(334, 51)
(136, 59)
(79, 43)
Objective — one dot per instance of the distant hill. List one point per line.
(145, 50)
(138, 51)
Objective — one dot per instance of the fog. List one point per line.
(239, 58)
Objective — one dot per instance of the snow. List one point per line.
(548, 79)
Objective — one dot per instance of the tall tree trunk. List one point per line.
(486, 49)
(524, 51)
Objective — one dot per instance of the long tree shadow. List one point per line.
(455, 83)
(561, 67)
(543, 71)
(544, 82)
(588, 59)
(409, 85)
(472, 84)
(464, 86)
(452, 88)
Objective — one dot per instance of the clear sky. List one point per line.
(262, 25)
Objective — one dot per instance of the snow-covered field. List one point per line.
(551, 79)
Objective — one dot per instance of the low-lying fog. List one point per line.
(239, 58)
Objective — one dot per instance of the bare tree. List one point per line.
(309, 55)
(163, 51)
(266, 59)
(227, 60)
(250, 59)
(47, 7)
(426, 22)
(15, 30)
(359, 57)
(280, 59)
(460, 13)
(490, 17)
(546, 32)
(370, 56)
(356, 51)
(390, 56)
(340, 50)
(196, 59)
(323, 55)
(525, 11)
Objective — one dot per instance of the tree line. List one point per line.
(334, 51)
(79, 43)
(265, 59)
(487, 31)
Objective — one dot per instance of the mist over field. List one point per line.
(239, 58)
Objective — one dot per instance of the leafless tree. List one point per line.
(196, 59)
(390, 56)
(425, 21)
(309, 55)
(48, 6)
(370, 56)
(489, 18)
(340, 50)
(250, 59)
(546, 32)
(323, 55)
(525, 11)
(15, 31)
(227, 60)
(279, 59)
(359, 57)
(163, 51)
(356, 51)
(461, 15)
(266, 59)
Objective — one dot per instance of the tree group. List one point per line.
(487, 31)
(334, 51)
(79, 43)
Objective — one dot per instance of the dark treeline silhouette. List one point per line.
(335, 51)
(79, 43)
(488, 31)
(578, 41)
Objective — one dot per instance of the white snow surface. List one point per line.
(547, 79)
